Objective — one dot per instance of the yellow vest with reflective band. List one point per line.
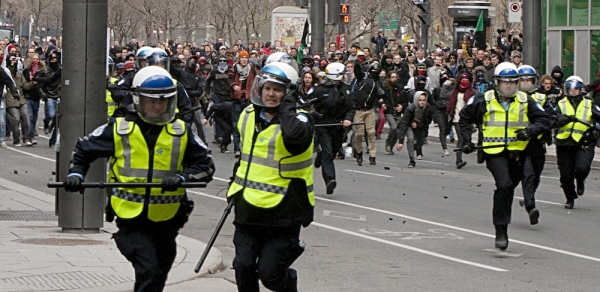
(583, 113)
(133, 162)
(499, 126)
(266, 166)
(112, 106)
(540, 98)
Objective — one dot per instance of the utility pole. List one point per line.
(317, 26)
(425, 17)
(532, 33)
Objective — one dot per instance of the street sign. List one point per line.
(514, 12)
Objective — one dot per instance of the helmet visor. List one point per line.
(259, 83)
(156, 110)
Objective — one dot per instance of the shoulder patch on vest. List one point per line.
(121, 82)
(197, 139)
(302, 118)
(249, 108)
(471, 100)
(98, 131)
(539, 106)
(597, 108)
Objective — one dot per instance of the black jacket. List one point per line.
(395, 96)
(49, 81)
(475, 109)
(219, 82)
(366, 93)
(334, 103)
(192, 82)
(295, 208)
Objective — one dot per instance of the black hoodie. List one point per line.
(558, 81)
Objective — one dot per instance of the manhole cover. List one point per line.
(68, 280)
(26, 215)
(60, 241)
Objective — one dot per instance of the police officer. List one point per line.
(527, 83)
(334, 104)
(273, 183)
(508, 120)
(150, 146)
(574, 156)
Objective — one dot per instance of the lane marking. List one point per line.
(369, 173)
(434, 254)
(433, 162)
(549, 177)
(30, 154)
(556, 250)
(344, 215)
(426, 252)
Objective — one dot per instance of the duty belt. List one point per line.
(137, 198)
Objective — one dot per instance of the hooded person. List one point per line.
(459, 98)
(558, 75)
(414, 125)
(481, 84)
(420, 74)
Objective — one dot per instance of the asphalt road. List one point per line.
(390, 228)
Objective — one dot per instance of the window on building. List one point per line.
(594, 54)
(579, 13)
(558, 13)
(568, 52)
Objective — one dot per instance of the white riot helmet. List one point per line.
(141, 55)
(506, 76)
(154, 95)
(279, 57)
(337, 72)
(276, 72)
(527, 72)
(573, 82)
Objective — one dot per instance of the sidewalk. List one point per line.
(37, 256)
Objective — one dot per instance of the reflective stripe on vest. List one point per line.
(583, 114)
(134, 163)
(541, 99)
(111, 104)
(499, 126)
(266, 168)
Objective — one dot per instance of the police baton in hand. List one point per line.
(482, 147)
(213, 237)
(104, 185)
(338, 124)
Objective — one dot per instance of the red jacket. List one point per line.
(246, 85)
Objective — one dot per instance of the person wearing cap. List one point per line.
(516, 58)
(241, 77)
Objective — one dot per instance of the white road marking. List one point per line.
(503, 253)
(433, 162)
(549, 177)
(383, 241)
(344, 215)
(556, 250)
(33, 155)
(434, 254)
(369, 173)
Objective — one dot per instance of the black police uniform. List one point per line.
(507, 167)
(574, 158)
(334, 105)
(267, 240)
(150, 246)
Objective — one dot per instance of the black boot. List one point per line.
(460, 164)
(318, 160)
(359, 158)
(501, 242)
(580, 187)
(372, 161)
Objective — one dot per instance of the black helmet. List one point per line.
(374, 69)
(307, 57)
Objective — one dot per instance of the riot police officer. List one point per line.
(508, 120)
(272, 185)
(150, 145)
(527, 83)
(333, 104)
(574, 151)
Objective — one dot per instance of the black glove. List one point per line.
(72, 183)
(288, 102)
(573, 118)
(171, 183)
(468, 148)
(523, 135)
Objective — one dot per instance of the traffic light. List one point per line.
(345, 13)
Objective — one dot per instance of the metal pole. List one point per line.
(83, 108)
(317, 26)
(532, 33)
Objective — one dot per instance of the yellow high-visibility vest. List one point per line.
(110, 103)
(583, 113)
(499, 125)
(267, 167)
(133, 162)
